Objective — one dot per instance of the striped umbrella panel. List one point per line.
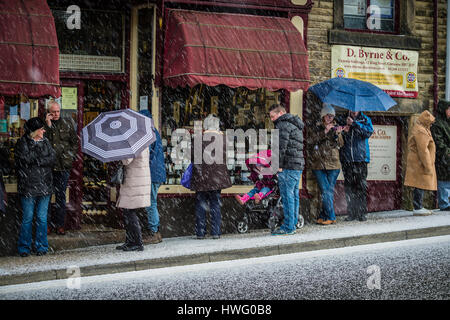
(117, 135)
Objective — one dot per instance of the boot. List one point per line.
(258, 197)
(154, 238)
(242, 200)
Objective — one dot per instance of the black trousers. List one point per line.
(132, 227)
(355, 184)
(418, 198)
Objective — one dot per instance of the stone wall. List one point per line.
(420, 25)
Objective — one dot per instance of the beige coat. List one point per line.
(136, 189)
(420, 170)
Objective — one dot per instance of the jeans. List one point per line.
(152, 210)
(327, 180)
(202, 199)
(418, 198)
(133, 236)
(29, 204)
(443, 194)
(255, 190)
(355, 185)
(60, 179)
(289, 181)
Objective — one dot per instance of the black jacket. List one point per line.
(291, 142)
(34, 164)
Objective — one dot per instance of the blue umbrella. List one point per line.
(353, 95)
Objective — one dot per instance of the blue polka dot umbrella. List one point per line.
(117, 135)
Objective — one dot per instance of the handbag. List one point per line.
(186, 178)
(117, 176)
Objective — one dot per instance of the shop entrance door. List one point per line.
(385, 170)
(91, 197)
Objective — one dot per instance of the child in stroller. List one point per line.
(267, 205)
(264, 183)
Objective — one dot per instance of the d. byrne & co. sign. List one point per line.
(393, 70)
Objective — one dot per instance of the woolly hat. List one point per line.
(34, 124)
(211, 123)
(327, 109)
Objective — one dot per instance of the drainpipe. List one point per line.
(435, 54)
(447, 58)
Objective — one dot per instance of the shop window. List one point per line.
(237, 108)
(103, 52)
(14, 112)
(99, 96)
(371, 15)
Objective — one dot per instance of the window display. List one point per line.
(237, 108)
(14, 112)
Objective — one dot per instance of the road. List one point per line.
(410, 269)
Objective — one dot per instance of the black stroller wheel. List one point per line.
(300, 221)
(242, 226)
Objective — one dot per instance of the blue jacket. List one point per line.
(356, 141)
(157, 165)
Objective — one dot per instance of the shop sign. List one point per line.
(393, 70)
(383, 154)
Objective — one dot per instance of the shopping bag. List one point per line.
(186, 178)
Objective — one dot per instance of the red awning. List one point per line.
(235, 50)
(29, 54)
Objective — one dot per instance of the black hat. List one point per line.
(33, 124)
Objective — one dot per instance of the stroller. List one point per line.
(270, 208)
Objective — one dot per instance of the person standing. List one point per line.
(420, 167)
(63, 138)
(354, 156)
(34, 158)
(209, 177)
(134, 194)
(325, 139)
(441, 136)
(158, 177)
(291, 163)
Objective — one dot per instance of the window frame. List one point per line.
(395, 19)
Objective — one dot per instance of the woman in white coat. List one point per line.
(134, 194)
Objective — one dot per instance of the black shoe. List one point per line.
(41, 253)
(350, 218)
(24, 254)
(133, 248)
(216, 236)
(121, 247)
(362, 218)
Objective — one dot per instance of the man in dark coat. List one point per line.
(34, 159)
(354, 156)
(63, 138)
(441, 136)
(291, 164)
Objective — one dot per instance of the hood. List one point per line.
(295, 120)
(426, 119)
(441, 108)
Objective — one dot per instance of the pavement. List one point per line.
(104, 259)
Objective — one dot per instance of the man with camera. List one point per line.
(63, 138)
(354, 156)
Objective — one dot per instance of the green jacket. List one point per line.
(64, 140)
(441, 136)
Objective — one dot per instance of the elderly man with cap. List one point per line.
(35, 158)
(324, 140)
(63, 138)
